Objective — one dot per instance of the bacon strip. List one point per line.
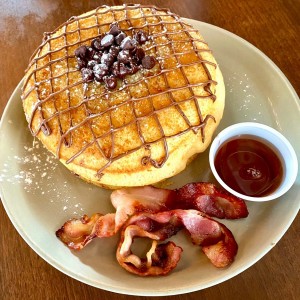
(158, 214)
(160, 259)
(206, 197)
(216, 241)
(129, 201)
(202, 196)
(222, 253)
(77, 233)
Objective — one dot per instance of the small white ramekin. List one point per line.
(279, 142)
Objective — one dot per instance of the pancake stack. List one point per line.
(124, 95)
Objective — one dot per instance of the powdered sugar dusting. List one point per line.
(37, 171)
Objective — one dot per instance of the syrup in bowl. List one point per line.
(249, 166)
(253, 161)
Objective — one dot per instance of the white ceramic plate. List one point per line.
(39, 194)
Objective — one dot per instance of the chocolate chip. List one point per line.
(114, 29)
(107, 59)
(98, 77)
(96, 44)
(120, 37)
(81, 63)
(133, 51)
(123, 70)
(110, 82)
(141, 37)
(91, 64)
(100, 70)
(115, 69)
(87, 74)
(107, 40)
(128, 43)
(124, 56)
(139, 54)
(97, 56)
(81, 52)
(112, 56)
(133, 68)
(90, 53)
(114, 51)
(148, 62)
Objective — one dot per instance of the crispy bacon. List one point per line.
(159, 260)
(222, 253)
(216, 241)
(76, 233)
(129, 201)
(206, 197)
(202, 196)
(159, 214)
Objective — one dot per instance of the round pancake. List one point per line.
(146, 129)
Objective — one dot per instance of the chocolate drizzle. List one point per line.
(46, 90)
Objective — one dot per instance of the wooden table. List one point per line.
(272, 26)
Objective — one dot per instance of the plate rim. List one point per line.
(175, 291)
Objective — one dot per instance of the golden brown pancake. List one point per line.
(151, 124)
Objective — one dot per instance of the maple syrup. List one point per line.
(249, 166)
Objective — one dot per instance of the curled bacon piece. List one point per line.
(222, 253)
(202, 196)
(158, 214)
(216, 241)
(76, 233)
(206, 197)
(160, 259)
